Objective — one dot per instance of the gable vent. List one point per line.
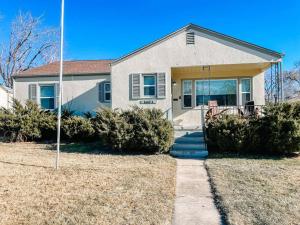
(190, 38)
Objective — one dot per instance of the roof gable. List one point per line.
(207, 32)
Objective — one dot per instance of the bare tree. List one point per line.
(29, 45)
(292, 81)
(268, 87)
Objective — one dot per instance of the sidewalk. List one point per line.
(194, 203)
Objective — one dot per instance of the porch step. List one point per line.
(189, 140)
(189, 144)
(187, 147)
(188, 133)
(189, 154)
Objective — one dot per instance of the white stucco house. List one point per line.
(6, 97)
(178, 74)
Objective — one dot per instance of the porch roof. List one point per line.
(221, 70)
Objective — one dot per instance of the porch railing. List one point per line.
(239, 110)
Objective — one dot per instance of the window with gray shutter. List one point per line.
(104, 92)
(32, 92)
(161, 85)
(135, 86)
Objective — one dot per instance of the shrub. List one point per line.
(274, 133)
(47, 125)
(137, 129)
(151, 132)
(283, 110)
(277, 132)
(66, 112)
(112, 128)
(25, 123)
(227, 133)
(77, 128)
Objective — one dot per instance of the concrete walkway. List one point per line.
(194, 203)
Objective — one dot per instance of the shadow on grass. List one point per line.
(231, 155)
(92, 148)
(24, 164)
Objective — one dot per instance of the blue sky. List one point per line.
(107, 29)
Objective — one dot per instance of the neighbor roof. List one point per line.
(76, 67)
(206, 31)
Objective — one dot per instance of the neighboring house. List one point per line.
(6, 95)
(178, 73)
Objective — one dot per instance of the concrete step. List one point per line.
(188, 133)
(195, 147)
(189, 140)
(189, 154)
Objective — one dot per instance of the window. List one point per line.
(107, 92)
(47, 96)
(222, 91)
(246, 90)
(149, 86)
(187, 93)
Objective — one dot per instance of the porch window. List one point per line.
(187, 93)
(149, 86)
(246, 90)
(47, 96)
(223, 91)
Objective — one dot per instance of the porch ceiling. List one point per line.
(225, 70)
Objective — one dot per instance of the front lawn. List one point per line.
(88, 189)
(256, 191)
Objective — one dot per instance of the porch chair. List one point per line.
(213, 111)
(249, 110)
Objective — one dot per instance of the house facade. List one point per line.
(178, 74)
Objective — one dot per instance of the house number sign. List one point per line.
(150, 101)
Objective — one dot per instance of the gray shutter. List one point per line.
(32, 92)
(135, 86)
(161, 85)
(101, 92)
(56, 87)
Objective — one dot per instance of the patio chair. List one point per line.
(213, 111)
(249, 110)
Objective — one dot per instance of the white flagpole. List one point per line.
(60, 82)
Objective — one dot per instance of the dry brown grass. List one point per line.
(257, 191)
(88, 189)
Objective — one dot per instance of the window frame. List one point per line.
(182, 85)
(106, 92)
(245, 92)
(40, 96)
(149, 85)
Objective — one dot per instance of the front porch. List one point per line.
(231, 86)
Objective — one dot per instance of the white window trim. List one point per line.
(149, 85)
(182, 84)
(106, 92)
(40, 97)
(245, 92)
